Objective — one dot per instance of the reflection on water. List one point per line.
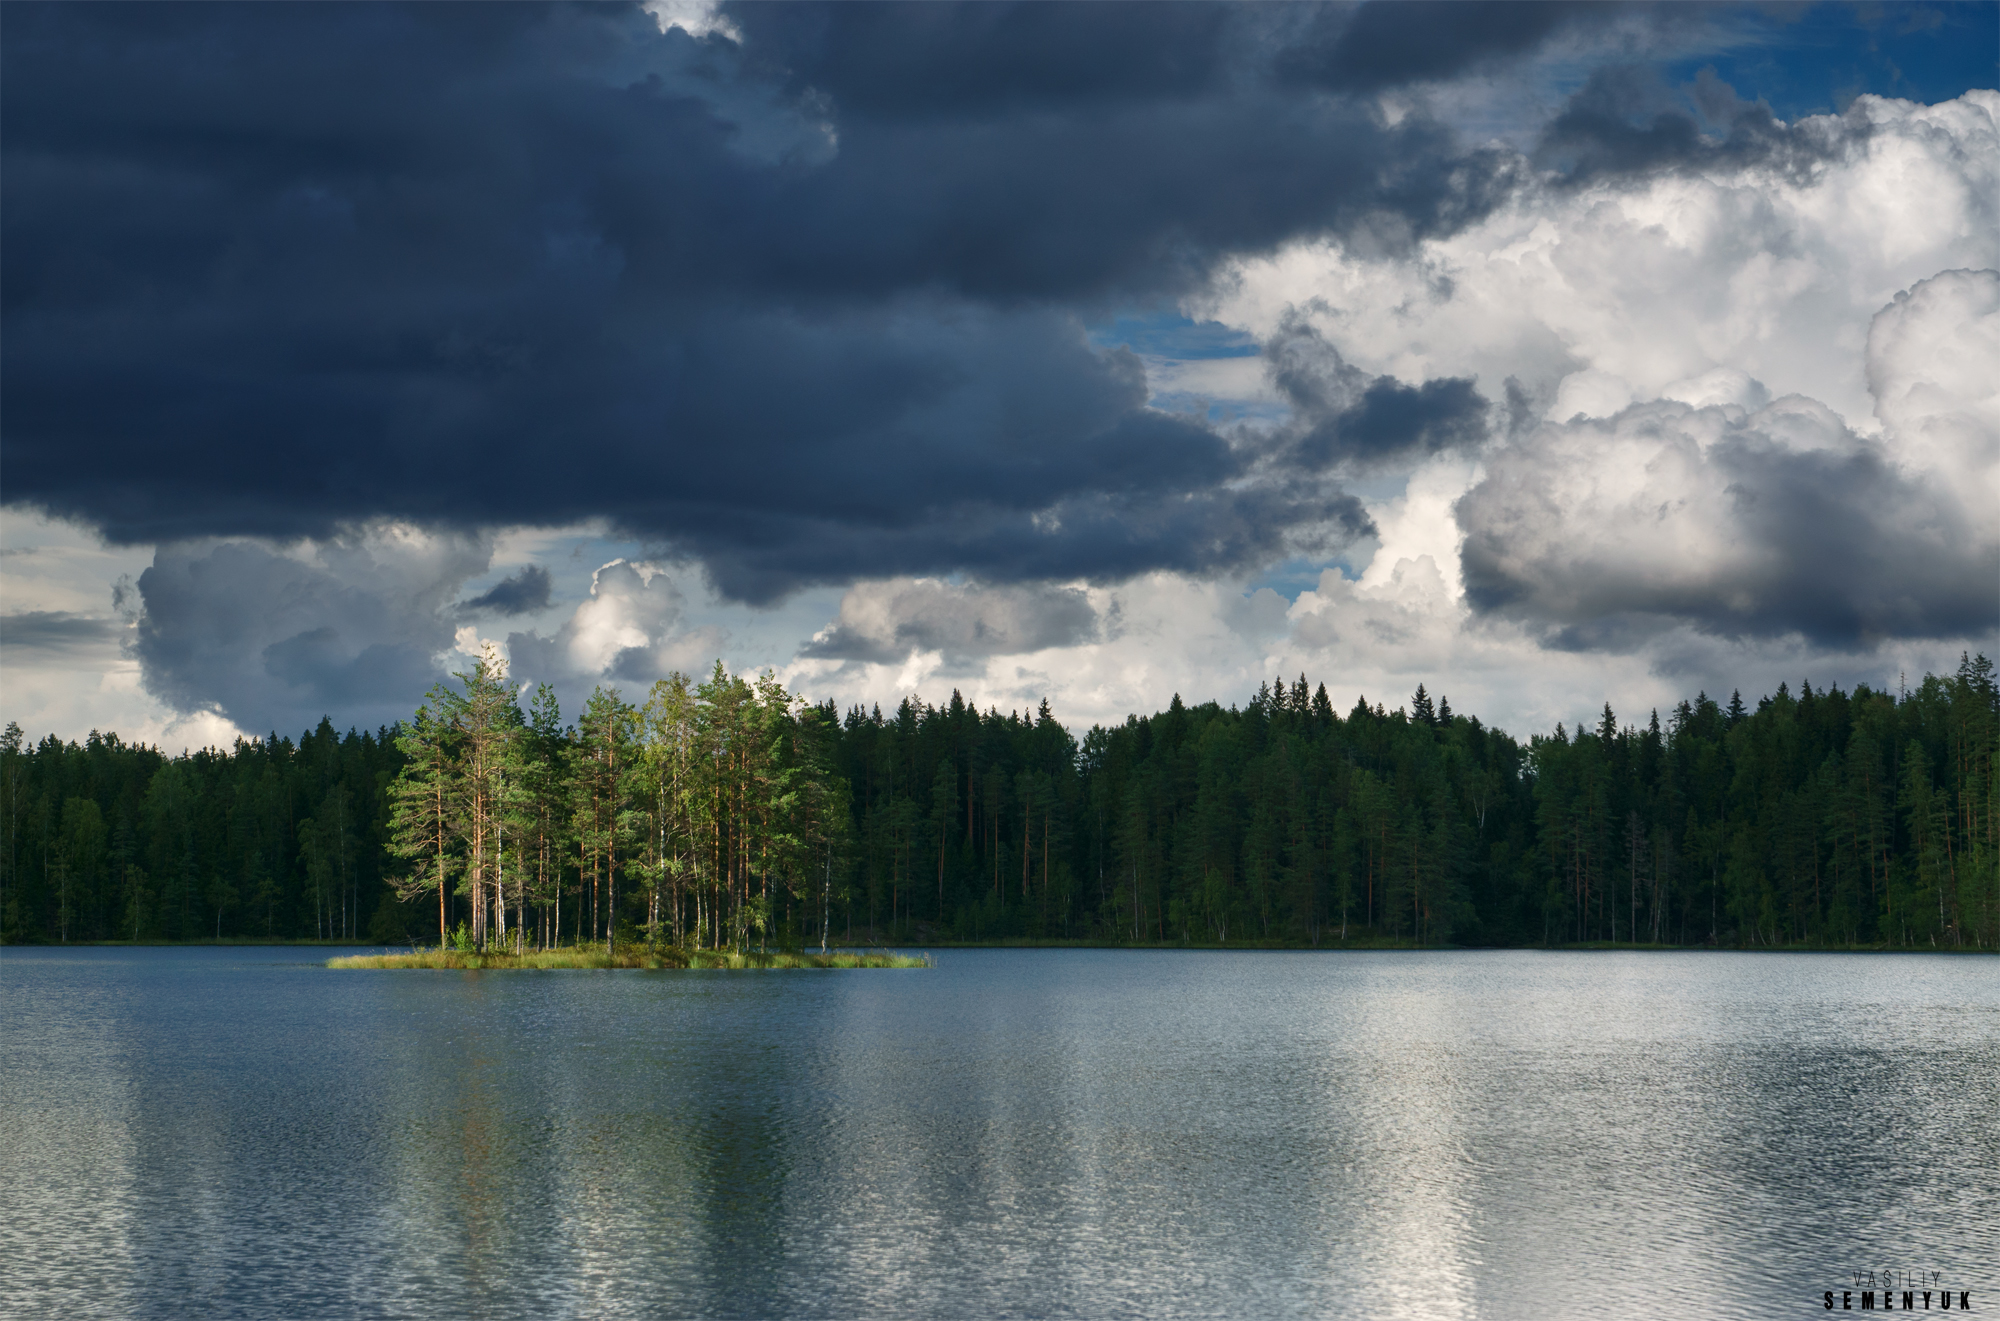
(242, 1132)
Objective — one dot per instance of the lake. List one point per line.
(1096, 1133)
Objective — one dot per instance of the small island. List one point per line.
(638, 956)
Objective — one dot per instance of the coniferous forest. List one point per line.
(730, 813)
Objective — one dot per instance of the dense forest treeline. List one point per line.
(729, 813)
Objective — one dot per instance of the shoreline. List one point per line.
(852, 950)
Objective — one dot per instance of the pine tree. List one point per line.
(1420, 708)
(604, 821)
(485, 722)
(421, 806)
(668, 724)
(542, 816)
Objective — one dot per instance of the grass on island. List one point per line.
(636, 956)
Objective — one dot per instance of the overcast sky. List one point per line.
(1543, 354)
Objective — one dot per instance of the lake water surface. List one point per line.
(242, 1132)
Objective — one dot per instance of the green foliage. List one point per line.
(389, 925)
(104, 840)
(727, 817)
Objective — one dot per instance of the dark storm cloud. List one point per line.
(807, 309)
(55, 630)
(942, 60)
(1625, 120)
(1392, 416)
(1386, 44)
(1834, 543)
(923, 61)
(1341, 415)
(1101, 536)
(522, 594)
(278, 640)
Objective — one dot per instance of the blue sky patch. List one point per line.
(1817, 59)
(1171, 335)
